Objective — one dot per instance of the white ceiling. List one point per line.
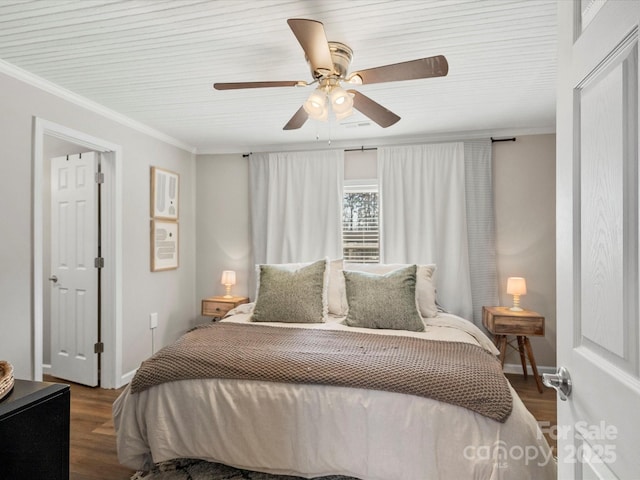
(155, 61)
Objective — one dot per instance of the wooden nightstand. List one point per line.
(218, 307)
(501, 321)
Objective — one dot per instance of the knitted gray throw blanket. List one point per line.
(453, 372)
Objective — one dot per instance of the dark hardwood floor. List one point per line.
(93, 444)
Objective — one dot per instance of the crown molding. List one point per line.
(60, 92)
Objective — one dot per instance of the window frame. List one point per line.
(361, 186)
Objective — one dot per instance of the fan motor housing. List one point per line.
(341, 56)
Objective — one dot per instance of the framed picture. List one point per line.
(164, 245)
(165, 189)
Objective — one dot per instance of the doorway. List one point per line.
(49, 133)
(71, 313)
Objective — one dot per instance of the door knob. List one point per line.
(53, 278)
(561, 381)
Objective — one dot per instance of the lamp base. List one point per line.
(516, 303)
(231, 296)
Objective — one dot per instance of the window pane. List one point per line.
(360, 230)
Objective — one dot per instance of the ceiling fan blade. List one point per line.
(238, 85)
(297, 120)
(311, 36)
(376, 112)
(422, 68)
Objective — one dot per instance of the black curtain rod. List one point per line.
(361, 149)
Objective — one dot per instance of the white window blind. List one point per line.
(360, 222)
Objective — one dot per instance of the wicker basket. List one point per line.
(6, 378)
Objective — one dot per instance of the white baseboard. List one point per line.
(517, 368)
(124, 380)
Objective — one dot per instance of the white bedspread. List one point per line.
(316, 430)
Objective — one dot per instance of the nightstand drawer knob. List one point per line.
(561, 381)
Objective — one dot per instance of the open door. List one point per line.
(597, 240)
(74, 272)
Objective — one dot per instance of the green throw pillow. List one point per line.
(383, 301)
(291, 296)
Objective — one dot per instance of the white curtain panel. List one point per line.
(296, 205)
(424, 216)
(481, 228)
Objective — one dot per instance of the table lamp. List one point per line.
(516, 286)
(228, 279)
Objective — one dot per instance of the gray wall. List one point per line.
(524, 180)
(223, 226)
(172, 294)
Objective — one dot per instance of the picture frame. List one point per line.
(165, 194)
(164, 245)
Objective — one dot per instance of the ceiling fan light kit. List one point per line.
(329, 63)
(326, 94)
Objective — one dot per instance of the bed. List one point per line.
(282, 424)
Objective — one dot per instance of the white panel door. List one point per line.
(597, 241)
(74, 285)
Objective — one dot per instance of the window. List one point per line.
(360, 226)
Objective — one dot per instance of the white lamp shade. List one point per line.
(324, 115)
(228, 277)
(316, 104)
(341, 101)
(516, 286)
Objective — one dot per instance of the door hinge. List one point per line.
(98, 347)
(99, 262)
(99, 177)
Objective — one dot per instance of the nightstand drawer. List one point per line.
(517, 326)
(215, 309)
(218, 307)
(502, 321)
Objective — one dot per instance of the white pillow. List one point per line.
(337, 293)
(425, 285)
(296, 266)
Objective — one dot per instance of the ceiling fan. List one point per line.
(329, 63)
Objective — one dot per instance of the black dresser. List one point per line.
(34, 431)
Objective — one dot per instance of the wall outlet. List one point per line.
(153, 320)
